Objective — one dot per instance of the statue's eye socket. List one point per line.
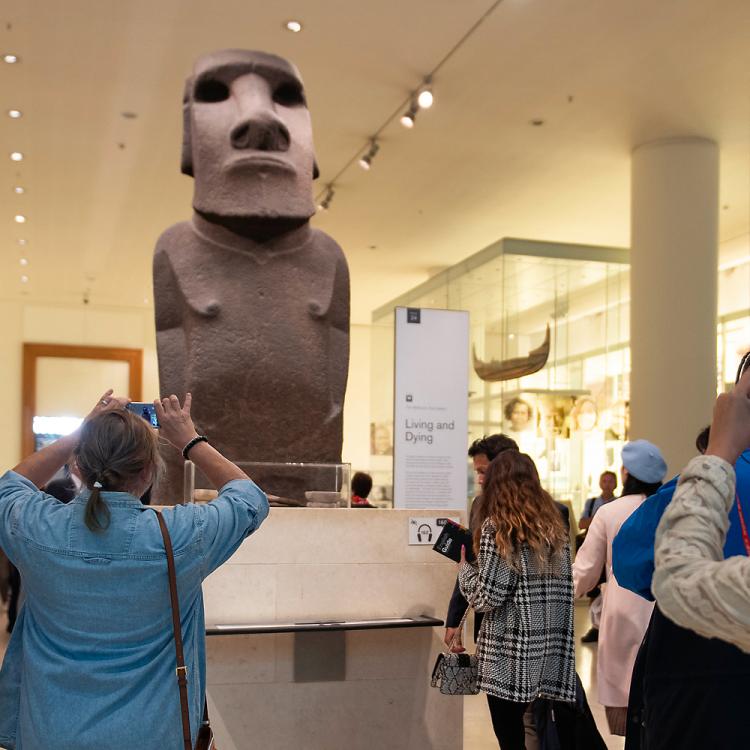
(211, 91)
(289, 95)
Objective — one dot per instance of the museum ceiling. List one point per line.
(99, 85)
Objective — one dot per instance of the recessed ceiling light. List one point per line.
(24, 279)
(10, 59)
(16, 156)
(19, 219)
(538, 122)
(294, 26)
(129, 115)
(15, 113)
(21, 242)
(18, 190)
(24, 262)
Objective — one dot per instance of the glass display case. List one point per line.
(549, 334)
(288, 485)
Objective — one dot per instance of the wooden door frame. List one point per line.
(32, 352)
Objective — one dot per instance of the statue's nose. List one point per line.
(260, 134)
(258, 126)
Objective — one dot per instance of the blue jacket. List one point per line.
(633, 547)
(91, 662)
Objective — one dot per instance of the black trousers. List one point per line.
(507, 721)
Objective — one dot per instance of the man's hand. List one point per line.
(458, 646)
(175, 423)
(730, 428)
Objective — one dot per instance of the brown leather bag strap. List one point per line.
(181, 668)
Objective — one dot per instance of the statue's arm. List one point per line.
(338, 347)
(171, 344)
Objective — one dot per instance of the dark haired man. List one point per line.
(481, 452)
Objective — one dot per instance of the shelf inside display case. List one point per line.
(288, 485)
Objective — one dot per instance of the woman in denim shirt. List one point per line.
(91, 662)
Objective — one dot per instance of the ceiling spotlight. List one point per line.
(294, 26)
(425, 98)
(10, 59)
(325, 204)
(407, 119)
(19, 219)
(18, 190)
(366, 161)
(16, 156)
(24, 279)
(15, 113)
(24, 262)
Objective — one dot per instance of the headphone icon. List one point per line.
(427, 532)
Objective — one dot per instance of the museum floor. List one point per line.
(477, 728)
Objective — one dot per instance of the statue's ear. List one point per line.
(316, 171)
(186, 157)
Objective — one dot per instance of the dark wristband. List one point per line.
(197, 439)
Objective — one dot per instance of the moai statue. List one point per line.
(252, 304)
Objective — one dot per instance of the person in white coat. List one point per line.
(625, 615)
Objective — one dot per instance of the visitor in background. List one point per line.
(625, 616)
(522, 583)
(607, 485)
(91, 662)
(361, 487)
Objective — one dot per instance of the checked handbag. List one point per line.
(456, 674)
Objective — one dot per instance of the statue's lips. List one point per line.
(259, 163)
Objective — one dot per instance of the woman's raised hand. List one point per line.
(175, 423)
(107, 402)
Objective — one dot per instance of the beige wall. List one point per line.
(63, 324)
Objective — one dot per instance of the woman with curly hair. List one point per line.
(523, 584)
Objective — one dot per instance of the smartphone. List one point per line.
(145, 410)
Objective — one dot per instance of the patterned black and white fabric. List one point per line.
(525, 648)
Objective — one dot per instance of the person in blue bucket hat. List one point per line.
(625, 615)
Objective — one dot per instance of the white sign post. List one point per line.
(430, 427)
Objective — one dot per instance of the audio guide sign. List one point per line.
(430, 427)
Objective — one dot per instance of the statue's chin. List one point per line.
(256, 208)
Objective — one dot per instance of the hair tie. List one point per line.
(98, 485)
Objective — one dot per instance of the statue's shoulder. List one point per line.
(177, 238)
(324, 243)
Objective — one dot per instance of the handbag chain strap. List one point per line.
(180, 657)
(457, 634)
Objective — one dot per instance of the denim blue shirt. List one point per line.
(633, 547)
(91, 662)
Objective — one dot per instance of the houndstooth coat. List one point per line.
(525, 649)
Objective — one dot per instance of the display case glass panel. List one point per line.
(571, 415)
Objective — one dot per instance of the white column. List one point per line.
(673, 282)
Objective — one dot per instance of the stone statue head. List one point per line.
(247, 137)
